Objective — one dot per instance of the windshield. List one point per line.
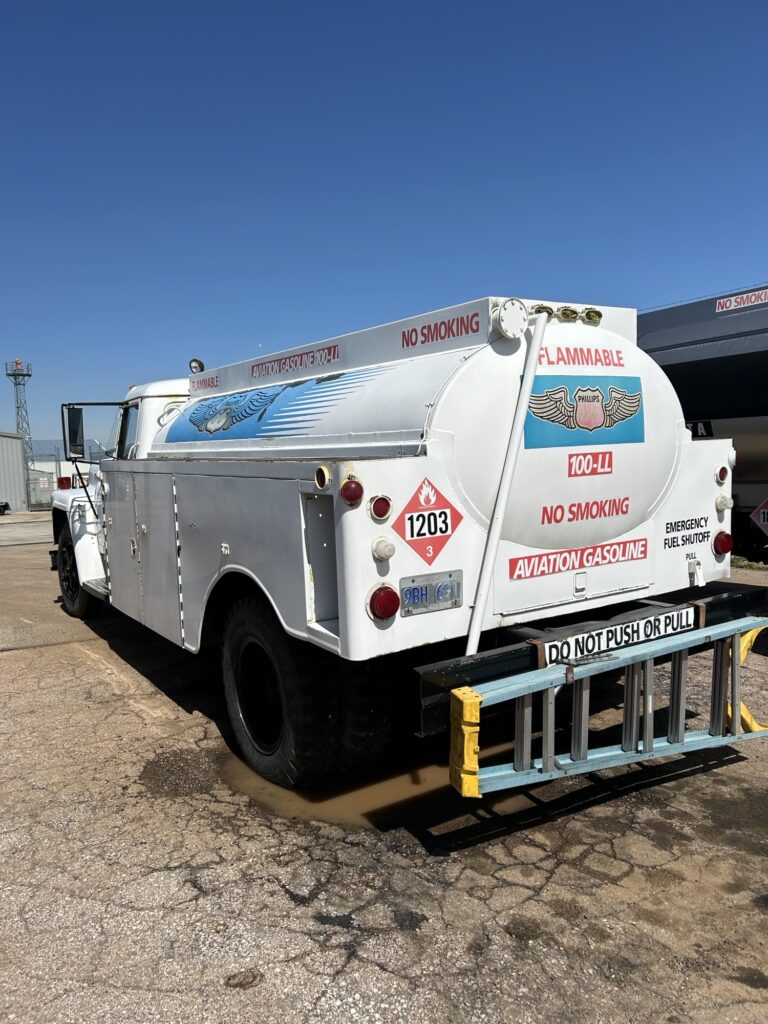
(109, 447)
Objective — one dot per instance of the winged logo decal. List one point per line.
(588, 410)
(221, 413)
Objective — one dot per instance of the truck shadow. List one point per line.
(531, 807)
(408, 788)
(191, 681)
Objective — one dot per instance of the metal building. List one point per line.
(13, 487)
(715, 352)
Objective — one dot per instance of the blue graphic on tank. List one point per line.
(280, 410)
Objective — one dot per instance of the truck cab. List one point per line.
(105, 502)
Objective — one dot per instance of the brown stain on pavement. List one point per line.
(377, 802)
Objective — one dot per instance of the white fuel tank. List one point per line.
(602, 439)
(603, 432)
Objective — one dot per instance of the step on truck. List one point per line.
(496, 502)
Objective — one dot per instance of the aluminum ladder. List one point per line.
(731, 642)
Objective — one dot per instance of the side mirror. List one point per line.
(74, 442)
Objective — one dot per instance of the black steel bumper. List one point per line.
(716, 603)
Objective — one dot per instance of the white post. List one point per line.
(505, 485)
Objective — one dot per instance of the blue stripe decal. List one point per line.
(284, 409)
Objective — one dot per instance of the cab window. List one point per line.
(109, 450)
(128, 428)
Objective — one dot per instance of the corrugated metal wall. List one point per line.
(41, 487)
(12, 484)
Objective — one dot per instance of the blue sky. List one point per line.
(192, 178)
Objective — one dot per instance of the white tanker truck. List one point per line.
(490, 476)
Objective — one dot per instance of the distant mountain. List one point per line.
(45, 447)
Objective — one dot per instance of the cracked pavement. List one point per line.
(140, 883)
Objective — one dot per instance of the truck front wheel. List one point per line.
(74, 600)
(281, 698)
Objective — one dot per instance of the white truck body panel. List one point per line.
(610, 499)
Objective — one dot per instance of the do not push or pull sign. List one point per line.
(620, 634)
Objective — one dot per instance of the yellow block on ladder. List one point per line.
(748, 721)
(747, 642)
(465, 740)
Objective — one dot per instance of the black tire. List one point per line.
(366, 715)
(282, 698)
(74, 600)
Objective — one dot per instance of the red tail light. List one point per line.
(723, 543)
(64, 483)
(721, 474)
(351, 491)
(384, 603)
(380, 508)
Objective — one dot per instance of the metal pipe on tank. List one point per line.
(505, 485)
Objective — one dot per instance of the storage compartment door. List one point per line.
(122, 545)
(159, 562)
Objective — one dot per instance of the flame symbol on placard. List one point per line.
(427, 494)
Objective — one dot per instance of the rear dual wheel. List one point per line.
(301, 716)
(281, 704)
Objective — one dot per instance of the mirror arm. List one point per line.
(87, 493)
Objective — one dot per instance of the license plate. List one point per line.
(431, 592)
(619, 634)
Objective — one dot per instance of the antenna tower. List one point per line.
(19, 373)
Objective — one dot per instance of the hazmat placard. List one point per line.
(428, 521)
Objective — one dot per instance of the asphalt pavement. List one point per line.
(147, 876)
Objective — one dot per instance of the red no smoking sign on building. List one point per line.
(428, 521)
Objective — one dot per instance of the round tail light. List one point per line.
(351, 491)
(380, 508)
(322, 477)
(723, 543)
(721, 474)
(384, 603)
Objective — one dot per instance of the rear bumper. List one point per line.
(731, 642)
(714, 605)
